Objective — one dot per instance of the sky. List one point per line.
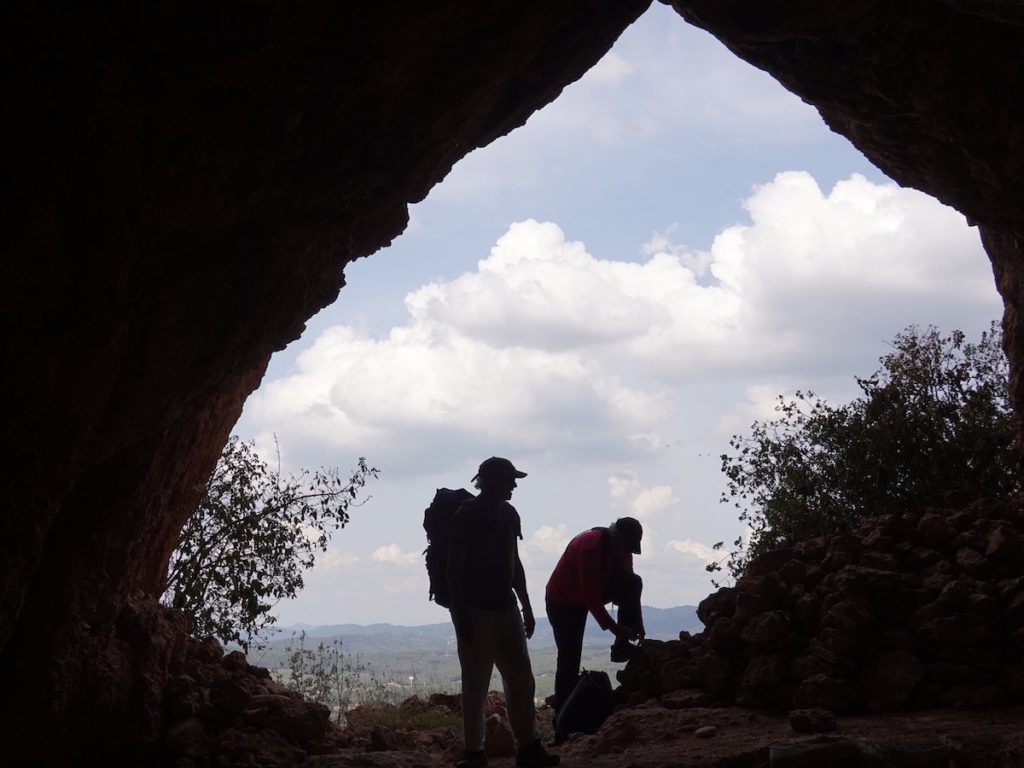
(605, 296)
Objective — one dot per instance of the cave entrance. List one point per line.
(606, 294)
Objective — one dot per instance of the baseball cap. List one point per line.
(497, 467)
(631, 531)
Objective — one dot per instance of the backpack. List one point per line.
(588, 705)
(437, 520)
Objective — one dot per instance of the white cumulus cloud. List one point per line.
(640, 501)
(394, 555)
(541, 549)
(695, 549)
(550, 539)
(545, 348)
(335, 560)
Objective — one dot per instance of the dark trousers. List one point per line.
(626, 591)
(569, 621)
(567, 624)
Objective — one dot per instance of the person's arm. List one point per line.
(519, 587)
(592, 588)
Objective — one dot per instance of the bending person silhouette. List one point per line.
(596, 568)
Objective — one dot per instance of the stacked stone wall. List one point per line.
(907, 611)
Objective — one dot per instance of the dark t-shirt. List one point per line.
(488, 531)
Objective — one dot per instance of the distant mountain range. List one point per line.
(426, 653)
(660, 624)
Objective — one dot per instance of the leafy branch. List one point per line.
(935, 418)
(246, 545)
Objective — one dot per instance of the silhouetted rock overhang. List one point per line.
(186, 181)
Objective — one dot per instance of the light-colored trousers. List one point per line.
(497, 639)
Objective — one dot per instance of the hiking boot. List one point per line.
(622, 652)
(533, 755)
(472, 760)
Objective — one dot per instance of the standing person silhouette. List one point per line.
(596, 568)
(485, 575)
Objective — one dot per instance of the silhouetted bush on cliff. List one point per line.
(935, 418)
(253, 535)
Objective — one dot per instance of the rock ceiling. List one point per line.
(187, 181)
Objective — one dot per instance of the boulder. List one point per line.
(812, 721)
(824, 692)
(686, 698)
(890, 679)
(766, 629)
(764, 671)
(383, 739)
(498, 738)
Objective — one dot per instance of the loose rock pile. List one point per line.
(365, 727)
(220, 710)
(907, 611)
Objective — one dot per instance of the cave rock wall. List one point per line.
(186, 182)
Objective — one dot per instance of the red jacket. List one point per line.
(584, 573)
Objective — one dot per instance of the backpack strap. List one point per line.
(606, 548)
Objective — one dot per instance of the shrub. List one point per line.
(254, 533)
(935, 418)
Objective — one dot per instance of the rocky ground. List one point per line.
(897, 643)
(650, 735)
(231, 714)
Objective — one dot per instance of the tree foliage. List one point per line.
(254, 533)
(326, 674)
(935, 418)
(343, 681)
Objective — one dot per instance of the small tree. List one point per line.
(325, 674)
(251, 538)
(934, 418)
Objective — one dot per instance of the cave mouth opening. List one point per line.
(533, 252)
(154, 266)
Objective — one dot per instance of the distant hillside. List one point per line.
(422, 659)
(660, 623)
(372, 640)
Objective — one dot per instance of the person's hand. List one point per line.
(624, 633)
(529, 623)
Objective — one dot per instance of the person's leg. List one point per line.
(568, 623)
(477, 660)
(513, 662)
(626, 591)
